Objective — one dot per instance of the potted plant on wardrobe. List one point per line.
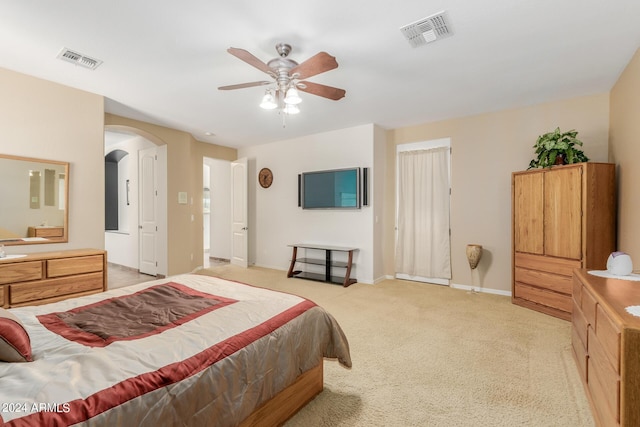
(557, 148)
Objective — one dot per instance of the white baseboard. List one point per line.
(391, 277)
(382, 279)
(432, 280)
(481, 289)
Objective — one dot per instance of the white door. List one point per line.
(239, 245)
(148, 212)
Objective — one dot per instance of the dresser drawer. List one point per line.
(576, 291)
(78, 265)
(20, 272)
(542, 296)
(579, 324)
(609, 336)
(603, 380)
(547, 264)
(45, 231)
(30, 292)
(553, 282)
(588, 306)
(2, 299)
(605, 416)
(580, 354)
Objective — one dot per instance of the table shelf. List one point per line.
(329, 264)
(318, 261)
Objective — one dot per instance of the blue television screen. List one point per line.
(332, 189)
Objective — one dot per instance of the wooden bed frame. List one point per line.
(285, 404)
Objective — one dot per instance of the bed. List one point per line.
(189, 350)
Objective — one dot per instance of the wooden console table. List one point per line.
(328, 263)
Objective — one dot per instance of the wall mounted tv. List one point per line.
(329, 189)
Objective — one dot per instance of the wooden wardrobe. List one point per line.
(564, 218)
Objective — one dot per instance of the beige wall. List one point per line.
(46, 120)
(276, 221)
(624, 144)
(49, 121)
(487, 148)
(377, 188)
(185, 156)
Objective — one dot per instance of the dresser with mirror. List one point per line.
(34, 206)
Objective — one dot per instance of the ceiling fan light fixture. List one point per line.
(288, 75)
(292, 98)
(268, 101)
(291, 109)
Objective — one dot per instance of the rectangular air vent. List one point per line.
(78, 59)
(427, 30)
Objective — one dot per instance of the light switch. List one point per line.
(182, 197)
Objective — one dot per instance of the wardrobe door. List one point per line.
(563, 213)
(528, 213)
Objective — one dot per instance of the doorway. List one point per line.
(216, 212)
(123, 244)
(423, 189)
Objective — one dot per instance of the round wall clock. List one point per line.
(265, 177)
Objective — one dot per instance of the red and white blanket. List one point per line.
(188, 350)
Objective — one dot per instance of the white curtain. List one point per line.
(422, 247)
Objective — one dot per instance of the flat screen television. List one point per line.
(330, 189)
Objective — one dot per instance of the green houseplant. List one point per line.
(557, 147)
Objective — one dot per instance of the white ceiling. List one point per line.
(164, 59)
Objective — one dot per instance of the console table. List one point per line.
(327, 261)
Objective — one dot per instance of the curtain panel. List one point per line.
(423, 241)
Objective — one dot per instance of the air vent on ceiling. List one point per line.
(78, 59)
(427, 30)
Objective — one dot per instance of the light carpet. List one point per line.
(429, 355)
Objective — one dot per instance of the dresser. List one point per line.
(605, 340)
(564, 218)
(45, 277)
(45, 231)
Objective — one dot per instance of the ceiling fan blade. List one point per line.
(243, 85)
(321, 90)
(319, 63)
(250, 59)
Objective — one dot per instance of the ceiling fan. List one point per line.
(288, 77)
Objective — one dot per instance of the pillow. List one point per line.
(15, 345)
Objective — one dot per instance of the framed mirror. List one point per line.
(34, 201)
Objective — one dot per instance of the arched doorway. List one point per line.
(124, 244)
